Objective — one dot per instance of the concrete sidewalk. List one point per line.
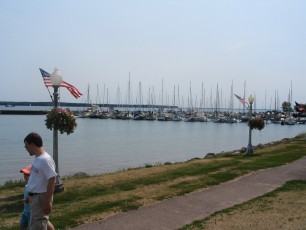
(179, 211)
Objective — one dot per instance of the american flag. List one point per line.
(299, 108)
(244, 102)
(74, 91)
(46, 77)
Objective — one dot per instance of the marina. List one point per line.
(160, 113)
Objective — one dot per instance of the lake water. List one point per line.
(100, 146)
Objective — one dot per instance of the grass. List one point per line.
(89, 198)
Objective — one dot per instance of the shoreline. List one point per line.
(209, 155)
(242, 151)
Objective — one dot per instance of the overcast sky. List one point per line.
(178, 44)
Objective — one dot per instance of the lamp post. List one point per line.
(56, 80)
(249, 150)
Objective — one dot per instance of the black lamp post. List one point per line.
(249, 150)
(56, 80)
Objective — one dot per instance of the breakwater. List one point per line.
(23, 112)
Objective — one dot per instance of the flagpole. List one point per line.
(50, 94)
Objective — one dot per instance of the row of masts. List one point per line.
(165, 99)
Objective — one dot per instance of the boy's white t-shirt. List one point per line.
(43, 168)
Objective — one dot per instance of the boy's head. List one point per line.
(26, 172)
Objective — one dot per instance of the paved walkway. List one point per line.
(175, 213)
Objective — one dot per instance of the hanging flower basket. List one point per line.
(256, 123)
(62, 120)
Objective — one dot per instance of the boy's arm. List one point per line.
(50, 190)
(26, 198)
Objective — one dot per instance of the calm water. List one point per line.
(100, 146)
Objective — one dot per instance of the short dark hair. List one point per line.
(34, 138)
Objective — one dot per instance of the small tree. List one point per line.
(286, 105)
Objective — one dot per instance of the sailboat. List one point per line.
(290, 120)
(86, 112)
(230, 118)
(92, 110)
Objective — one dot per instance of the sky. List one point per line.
(165, 51)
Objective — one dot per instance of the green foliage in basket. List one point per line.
(62, 120)
(256, 123)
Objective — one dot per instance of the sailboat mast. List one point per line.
(191, 102)
(291, 95)
(211, 100)
(231, 106)
(103, 96)
(202, 98)
(97, 97)
(88, 95)
(129, 90)
(244, 98)
(162, 93)
(178, 95)
(217, 99)
(265, 100)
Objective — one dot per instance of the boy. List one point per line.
(26, 214)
